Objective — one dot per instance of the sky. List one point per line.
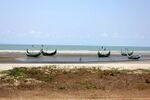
(75, 22)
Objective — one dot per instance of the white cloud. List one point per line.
(104, 34)
(32, 31)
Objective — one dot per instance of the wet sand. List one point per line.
(67, 52)
(7, 60)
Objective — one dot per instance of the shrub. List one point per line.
(147, 81)
(18, 72)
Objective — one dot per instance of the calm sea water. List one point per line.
(69, 47)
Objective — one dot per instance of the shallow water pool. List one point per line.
(56, 59)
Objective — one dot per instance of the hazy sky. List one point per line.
(75, 22)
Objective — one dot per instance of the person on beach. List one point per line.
(80, 59)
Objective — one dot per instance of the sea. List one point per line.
(69, 47)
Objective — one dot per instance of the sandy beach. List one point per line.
(71, 52)
(118, 65)
(8, 64)
(78, 82)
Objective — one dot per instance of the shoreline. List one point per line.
(72, 52)
(9, 63)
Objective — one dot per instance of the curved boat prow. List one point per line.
(134, 57)
(104, 55)
(32, 54)
(48, 54)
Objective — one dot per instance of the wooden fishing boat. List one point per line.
(125, 53)
(135, 57)
(29, 54)
(104, 55)
(48, 54)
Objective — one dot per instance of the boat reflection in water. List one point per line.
(77, 59)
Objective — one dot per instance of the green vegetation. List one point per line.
(16, 72)
(76, 78)
(88, 84)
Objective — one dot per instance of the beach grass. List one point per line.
(53, 82)
(76, 78)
